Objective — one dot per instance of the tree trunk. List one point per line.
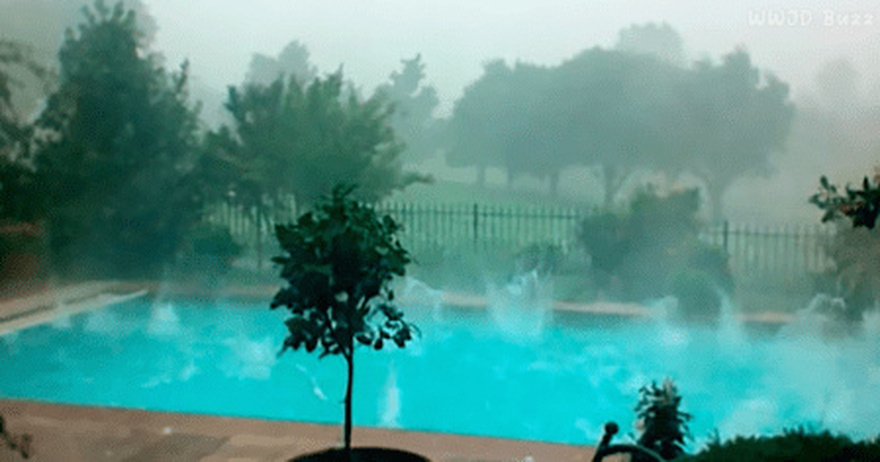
(259, 227)
(349, 358)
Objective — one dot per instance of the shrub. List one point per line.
(209, 251)
(855, 246)
(644, 251)
(796, 445)
(663, 425)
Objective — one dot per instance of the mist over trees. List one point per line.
(414, 104)
(619, 112)
(659, 40)
(40, 26)
(292, 61)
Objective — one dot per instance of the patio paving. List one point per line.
(79, 433)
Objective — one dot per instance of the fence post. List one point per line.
(476, 225)
(724, 236)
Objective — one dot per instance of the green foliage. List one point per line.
(21, 199)
(215, 241)
(663, 424)
(303, 140)
(117, 152)
(604, 237)
(860, 206)
(855, 249)
(505, 120)
(796, 445)
(338, 262)
(207, 254)
(654, 250)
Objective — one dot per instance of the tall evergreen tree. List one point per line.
(119, 146)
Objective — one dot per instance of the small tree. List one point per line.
(664, 426)
(339, 260)
(116, 143)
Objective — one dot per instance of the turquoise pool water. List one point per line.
(467, 374)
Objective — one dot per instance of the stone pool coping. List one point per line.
(456, 299)
(82, 433)
(55, 302)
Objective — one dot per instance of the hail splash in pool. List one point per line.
(471, 372)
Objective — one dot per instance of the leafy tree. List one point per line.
(731, 121)
(601, 108)
(118, 150)
(654, 250)
(614, 105)
(338, 262)
(414, 103)
(302, 140)
(473, 134)
(506, 120)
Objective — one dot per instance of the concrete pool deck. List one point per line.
(79, 433)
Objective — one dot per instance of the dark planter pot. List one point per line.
(361, 455)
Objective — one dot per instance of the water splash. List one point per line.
(250, 359)
(414, 292)
(390, 409)
(316, 390)
(523, 306)
(102, 321)
(164, 321)
(663, 312)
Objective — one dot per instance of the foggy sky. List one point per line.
(370, 37)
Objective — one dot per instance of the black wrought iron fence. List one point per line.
(754, 249)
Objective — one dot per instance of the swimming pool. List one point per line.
(466, 374)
